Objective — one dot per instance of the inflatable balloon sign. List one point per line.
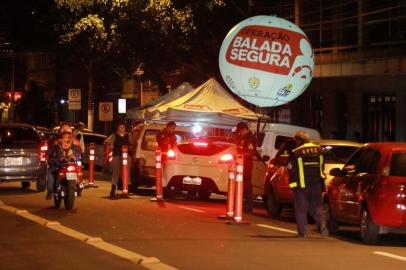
(266, 60)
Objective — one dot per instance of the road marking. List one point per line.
(276, 228)
(191, 209)
(151, 263)
(390, 255)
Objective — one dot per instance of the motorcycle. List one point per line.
(65, 185)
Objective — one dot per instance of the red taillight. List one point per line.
(44, 149)
(226, 158)
(71, 168)
(170, 154)
(200, 144)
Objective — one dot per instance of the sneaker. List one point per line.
(49, 196)
(301, 236)
(324, 231)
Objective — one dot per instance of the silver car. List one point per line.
(22, 155)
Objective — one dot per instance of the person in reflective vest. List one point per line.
(306, 165)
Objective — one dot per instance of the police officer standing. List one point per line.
(247, 147)
(307, 181)
(166, 139)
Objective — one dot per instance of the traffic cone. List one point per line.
(230, 194)
(91, 167)
(239, 194)
(158, 167)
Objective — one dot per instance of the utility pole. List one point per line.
(12, 89)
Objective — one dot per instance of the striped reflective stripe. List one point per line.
(321, 158)
(311, 163)
(301, 172)
(293, 185)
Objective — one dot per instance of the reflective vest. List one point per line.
(307, 166)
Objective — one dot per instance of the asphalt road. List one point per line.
(136, 233)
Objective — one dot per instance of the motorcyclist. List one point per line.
(58, 155)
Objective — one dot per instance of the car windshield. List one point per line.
(337, 153)
(18, 136)
(398, 165)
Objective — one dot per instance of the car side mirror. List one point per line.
(336, 172)
(266, 158)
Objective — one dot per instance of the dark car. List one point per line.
(370, 191)
(277, 191)
(22, 155)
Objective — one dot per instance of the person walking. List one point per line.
(247, 147)
(117, 140)
(166, 139)
(307, 181)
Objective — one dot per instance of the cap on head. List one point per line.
(241, 126)
(171, 124)
(302, 136)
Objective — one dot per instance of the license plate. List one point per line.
(187, 180)
(14, 161)
(71, 176)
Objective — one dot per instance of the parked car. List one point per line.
(201, 165)
(22, 155)
(143, 151)
(98, 140)
(370, 191)
(270, 136)
(277, 193)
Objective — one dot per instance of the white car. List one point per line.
(201, 165)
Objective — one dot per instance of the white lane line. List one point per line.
(151, 263)
(276, 228)
(390, 255)
(191, 209)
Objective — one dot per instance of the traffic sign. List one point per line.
(105, 111)
(75, 99)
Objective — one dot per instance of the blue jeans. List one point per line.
(51, 179)
(308, 200)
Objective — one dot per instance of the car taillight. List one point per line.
(71, 168)
(170, 154)
(226, 158)
(43, 154)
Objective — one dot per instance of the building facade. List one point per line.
(358, 90)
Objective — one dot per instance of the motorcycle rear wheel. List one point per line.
(69, 199)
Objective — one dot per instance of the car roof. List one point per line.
(12, 125)
(94, 134)
(287, 129)
(337, 142)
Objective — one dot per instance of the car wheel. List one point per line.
(332, 225)
(169, 193)
(41, 184)
(369, 230)
(272, 205)
(135, 180)
(25, 184)
(203, 195)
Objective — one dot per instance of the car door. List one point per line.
(351, 192)
(258, 176)
(336, 188)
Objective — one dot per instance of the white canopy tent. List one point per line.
(208, 103)
(139, 113)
